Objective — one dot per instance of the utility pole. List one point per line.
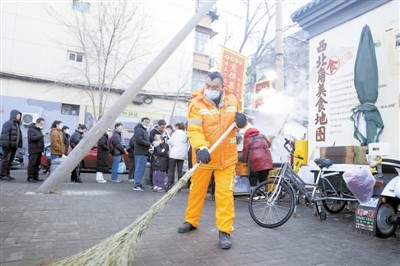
(279, 61)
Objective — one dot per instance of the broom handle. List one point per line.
(223, 136)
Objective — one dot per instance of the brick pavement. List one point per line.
(39, 228)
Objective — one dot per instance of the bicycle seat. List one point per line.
(323, 162)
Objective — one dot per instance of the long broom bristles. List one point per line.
(119, 248)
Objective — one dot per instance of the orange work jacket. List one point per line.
(207, 122)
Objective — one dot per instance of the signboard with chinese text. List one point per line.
(332, 93)
(233, 68)
(365, 216)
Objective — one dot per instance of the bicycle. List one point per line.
(273, 201)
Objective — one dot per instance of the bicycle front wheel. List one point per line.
(270, 207)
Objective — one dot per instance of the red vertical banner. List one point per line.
(233, 68)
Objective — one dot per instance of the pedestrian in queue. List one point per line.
(179, 146)
(66, 137)
(256, 152)
(142, 146)
(131, 154)
(35, 149)
(158, 130)
(160, 165)
(76, 137)
(57, 140)
(117, 150)
(168, 132)
(103, 153)
(210, 113)
(10, 140)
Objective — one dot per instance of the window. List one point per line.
(202, 43)
(80, 6)
(75, 56)
(70, 109)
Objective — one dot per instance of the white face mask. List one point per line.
(212, 94)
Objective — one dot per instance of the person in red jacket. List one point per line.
(256, 152)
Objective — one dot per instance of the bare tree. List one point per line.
(257, 22)
(257, 42)
(108, 38)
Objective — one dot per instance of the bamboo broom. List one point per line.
(119, 248)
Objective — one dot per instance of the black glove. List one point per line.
(203, 156)
(241, 120)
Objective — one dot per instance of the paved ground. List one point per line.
(40, 228)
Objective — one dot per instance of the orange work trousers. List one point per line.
(224, 187)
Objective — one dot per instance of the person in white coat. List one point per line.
(178, 146)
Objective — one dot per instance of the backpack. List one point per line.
(259, 153)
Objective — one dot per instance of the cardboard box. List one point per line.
(345, 154)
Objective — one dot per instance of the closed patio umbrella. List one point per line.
(368, 123)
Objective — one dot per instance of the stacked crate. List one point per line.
(345, 154)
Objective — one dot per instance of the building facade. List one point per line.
(335, 28)
(52, 53)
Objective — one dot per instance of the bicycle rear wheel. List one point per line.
(269, 209)
(333, 206)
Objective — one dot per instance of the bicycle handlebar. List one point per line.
(290, 148)
(288, 143)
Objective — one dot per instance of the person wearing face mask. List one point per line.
(142, 145)
(211, 112)
(66, 137)
(117, 150)
(35, 149)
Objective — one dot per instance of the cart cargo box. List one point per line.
(345, 154)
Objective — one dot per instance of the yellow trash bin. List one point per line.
(301, 149)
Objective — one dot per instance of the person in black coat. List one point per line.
(117, 150)
(142, 146)
(66, 136)
(35, 149)
(73, 141)
(10, 140)
(103, 153)
(131, 154)
(160, 165)
(158, 130)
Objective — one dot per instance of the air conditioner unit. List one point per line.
(29, 118)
